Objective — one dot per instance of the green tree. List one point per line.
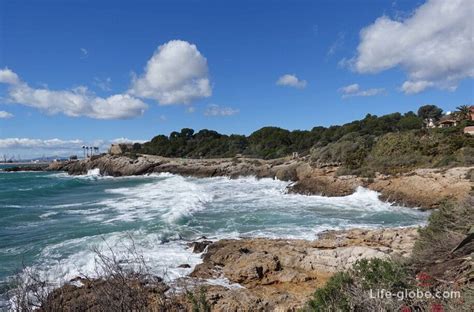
(410, 121)
(430, 111)
(463, 111)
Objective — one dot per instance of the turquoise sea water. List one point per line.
(51, 221)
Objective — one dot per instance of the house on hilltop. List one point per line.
(447, 121)
(469, 130)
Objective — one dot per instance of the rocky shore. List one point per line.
(424, 188)
(255, 274)
(280, 275)
(18, 168)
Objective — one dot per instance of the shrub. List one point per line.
(443, 251)
(333, 296)
(446, 228)
(347, 291)
(350, 151)
(378, 273)
(199, 301)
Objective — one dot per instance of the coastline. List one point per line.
(278, 274)
(421, 188)
(260, 274)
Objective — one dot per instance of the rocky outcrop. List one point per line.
(425, 188)
(25, 168)
(280, 275)
(238, 275)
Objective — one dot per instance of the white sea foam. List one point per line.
(48, 214)
(93, 172)
(224, 282)
(81, 260)
(164, 207)
(170, 200)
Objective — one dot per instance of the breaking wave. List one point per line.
(57, 223)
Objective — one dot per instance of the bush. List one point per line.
(350, 151)
(347, 291)
(333, 296)
(378, 273)
(446, 228)
(199, 301)
(443, 252)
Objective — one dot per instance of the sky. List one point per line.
(95, 72)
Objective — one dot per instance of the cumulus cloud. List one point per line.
(290, 80)
(433, 45)
(5, 115)
(9, 77)
(177, 73)
(216, 110)
(74, 102)
(355, 90)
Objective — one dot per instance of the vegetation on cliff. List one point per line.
(441, 263)
(390, 143)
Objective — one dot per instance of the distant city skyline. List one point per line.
(73, 74)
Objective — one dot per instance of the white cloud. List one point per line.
(38, 143)
(290, 80)
(433, 45)
(28, 147)
(84, 53)
(8, 76)
(410, 87)
(354, 90)
(336, 45)
(124, 140)
(75, 102)
(5, 115)
(350, 88)
(103, 84)
(216, 110)
(177, 73)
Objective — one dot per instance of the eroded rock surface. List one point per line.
(280, 275)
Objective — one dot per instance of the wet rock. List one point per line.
(26, 168)
(324, 185)
(199, 246)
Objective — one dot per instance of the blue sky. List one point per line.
(237, 51)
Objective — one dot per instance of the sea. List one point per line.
(54, 223)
